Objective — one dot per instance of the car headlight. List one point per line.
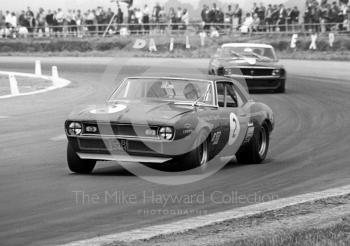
(166, 133)
(75, 128)
(228, 71)
(276, 72)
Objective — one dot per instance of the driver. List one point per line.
(190, 92)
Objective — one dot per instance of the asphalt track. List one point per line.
(309, 152)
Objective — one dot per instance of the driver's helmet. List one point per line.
(191, 92)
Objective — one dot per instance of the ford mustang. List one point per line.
(256, 64)
(171, 119)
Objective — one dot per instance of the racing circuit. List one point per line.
(309, 151)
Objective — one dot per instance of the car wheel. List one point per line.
(199, 156)
(77, 165)
(256, 150)
(282, 88)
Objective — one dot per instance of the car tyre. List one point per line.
(199, 156)
(256, 150)
(282, 88)
(77, 165)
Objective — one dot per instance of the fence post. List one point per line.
(13, 85)
(38, 68)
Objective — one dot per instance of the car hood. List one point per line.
(140, 112)
(248, 61)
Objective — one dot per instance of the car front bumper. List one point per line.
(260, 83)
(98, 148)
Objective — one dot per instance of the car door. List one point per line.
(233, 117)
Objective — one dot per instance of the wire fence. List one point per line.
(162, 29)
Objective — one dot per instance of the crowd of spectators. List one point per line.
(318, 16)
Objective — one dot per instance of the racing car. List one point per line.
(163, 119)
(255, 64)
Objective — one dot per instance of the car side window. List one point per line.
(221, 94)
(227, 97)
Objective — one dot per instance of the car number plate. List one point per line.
(118, 145)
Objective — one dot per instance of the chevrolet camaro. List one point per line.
(170, 119)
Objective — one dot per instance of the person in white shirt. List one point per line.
(185, 18)
(13, 20)
(8, 19)
(60, 20)
(247, 24)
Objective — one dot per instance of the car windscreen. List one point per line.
(257, 52)
(165, 89)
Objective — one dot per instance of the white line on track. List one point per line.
(206, 220)
(3, 117)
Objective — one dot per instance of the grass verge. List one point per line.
(123, 47)
(323, 222)
(25, 84)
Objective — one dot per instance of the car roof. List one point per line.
(199, 77)
(253, 45)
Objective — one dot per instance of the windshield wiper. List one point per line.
(260, 56)
(236, 54)
(195, 103)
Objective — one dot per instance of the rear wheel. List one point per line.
(256, 150)
(77, 165)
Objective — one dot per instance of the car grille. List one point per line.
(252, 71)
(120, 130)
(87, 144)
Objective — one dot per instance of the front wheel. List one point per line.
(256, 150)
(199, 156)
(77, 165)
(281, 88)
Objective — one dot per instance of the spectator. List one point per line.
(185, 19)
(179, 15)
(206, 17)
(59, 20)
(90, 20)
(13, 20)
(163, 20)
(120, 16)
(237, 17)
(294, 18)
(31, 20)
(256, 23)
(268, 17)
(229, 16)
(50, 20)
(173, 19)
(274, 16)
(247, 24)
(261, 12)
(255, 9)
(281, 23)
(213, 14)
(156, 11)
(79, 21)
(146, 18)
(2, 20)
(41, 21)
(8, 19)
(261, 15)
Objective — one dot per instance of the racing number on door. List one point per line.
(234, 129)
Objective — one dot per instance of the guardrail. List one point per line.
(100, 30)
